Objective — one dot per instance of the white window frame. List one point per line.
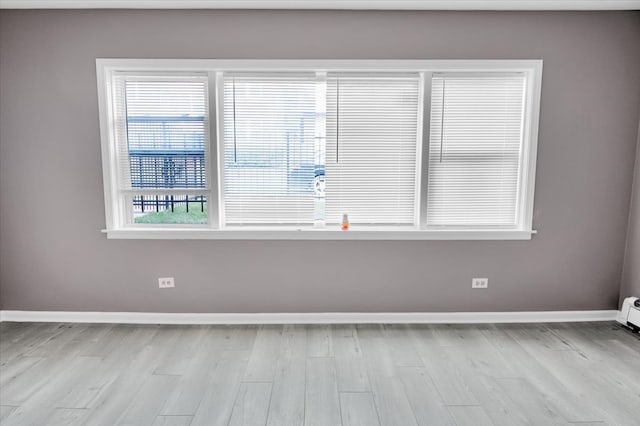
(116, 226)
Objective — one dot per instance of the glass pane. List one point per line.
(269, 136)
(269, 149)
(166, 132)
(170, 209)
(475, 151)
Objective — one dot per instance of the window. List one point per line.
(269, 157)
(474, 151)
(161, 141)
(283, 149)
(372, 145)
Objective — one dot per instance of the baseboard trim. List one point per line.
(309, 318)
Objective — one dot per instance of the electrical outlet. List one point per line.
(166, 282)
(480, 283)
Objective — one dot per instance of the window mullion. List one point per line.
(319, 215)
(218, 166)
(423, 146)
(212, 165)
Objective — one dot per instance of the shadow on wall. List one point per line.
(631, 271)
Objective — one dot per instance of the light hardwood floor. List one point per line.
(542, 374)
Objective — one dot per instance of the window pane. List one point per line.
(372, 124)
(169, 209)
(269, 129)
(164, 132)
(474, 152)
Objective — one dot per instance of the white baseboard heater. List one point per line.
(630, 313)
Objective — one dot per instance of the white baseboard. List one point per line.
(309, 318)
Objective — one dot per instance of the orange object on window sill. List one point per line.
(345, 222)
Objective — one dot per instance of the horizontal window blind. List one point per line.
(269, 129)
(162, 131)
(371, 149)
(475, 150)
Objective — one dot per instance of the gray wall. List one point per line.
(631, 271)
(53, 256)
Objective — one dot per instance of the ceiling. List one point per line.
(328, 4)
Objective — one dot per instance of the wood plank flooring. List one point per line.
(366, 375)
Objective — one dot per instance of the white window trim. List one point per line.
(362, 233)
(116, 229)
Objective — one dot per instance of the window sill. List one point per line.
(314, 234)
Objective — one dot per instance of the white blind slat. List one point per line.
(474, 151)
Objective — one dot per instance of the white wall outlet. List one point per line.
(480, 283)
(166, 282)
